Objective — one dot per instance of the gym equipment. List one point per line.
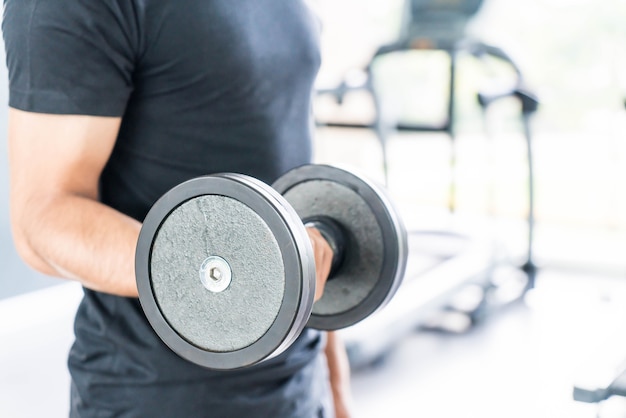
(601, 386)
(440, 265)
(375, 239)
(438, 25)
(225, 268)
(529, 105)
(427, 25)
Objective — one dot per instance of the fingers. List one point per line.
(323, 260)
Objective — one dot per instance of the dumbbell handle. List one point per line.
(335, 236)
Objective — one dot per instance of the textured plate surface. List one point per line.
(376, 248)
(267, 303)
(363, 258)
(238, 316)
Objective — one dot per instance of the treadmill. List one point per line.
(444, 264)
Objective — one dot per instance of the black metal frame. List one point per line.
(416, 35)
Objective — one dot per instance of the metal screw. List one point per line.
(215, 273)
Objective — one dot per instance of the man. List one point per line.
(113, 102)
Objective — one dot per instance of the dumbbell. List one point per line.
(225, 269)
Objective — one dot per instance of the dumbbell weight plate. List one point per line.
(224, 271)
(376, 248)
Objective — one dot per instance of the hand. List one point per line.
(323, 260)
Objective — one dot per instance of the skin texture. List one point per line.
(339, 374)
(61, 229)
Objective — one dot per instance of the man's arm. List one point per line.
(339, 374)
(59, 227)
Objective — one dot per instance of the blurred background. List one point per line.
(481, 326)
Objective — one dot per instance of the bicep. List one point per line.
(51, 155)
(59, 227)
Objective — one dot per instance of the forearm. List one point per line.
(78, 238)
(339, 374)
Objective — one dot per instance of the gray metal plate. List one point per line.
(242, 313)
(268, 301)
(376, 252)
(363, 259)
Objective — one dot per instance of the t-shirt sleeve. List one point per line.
(69, 57)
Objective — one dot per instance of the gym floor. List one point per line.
(521, 361)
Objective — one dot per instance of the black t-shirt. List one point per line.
(202, 86)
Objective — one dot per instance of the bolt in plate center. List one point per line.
(215, 274)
